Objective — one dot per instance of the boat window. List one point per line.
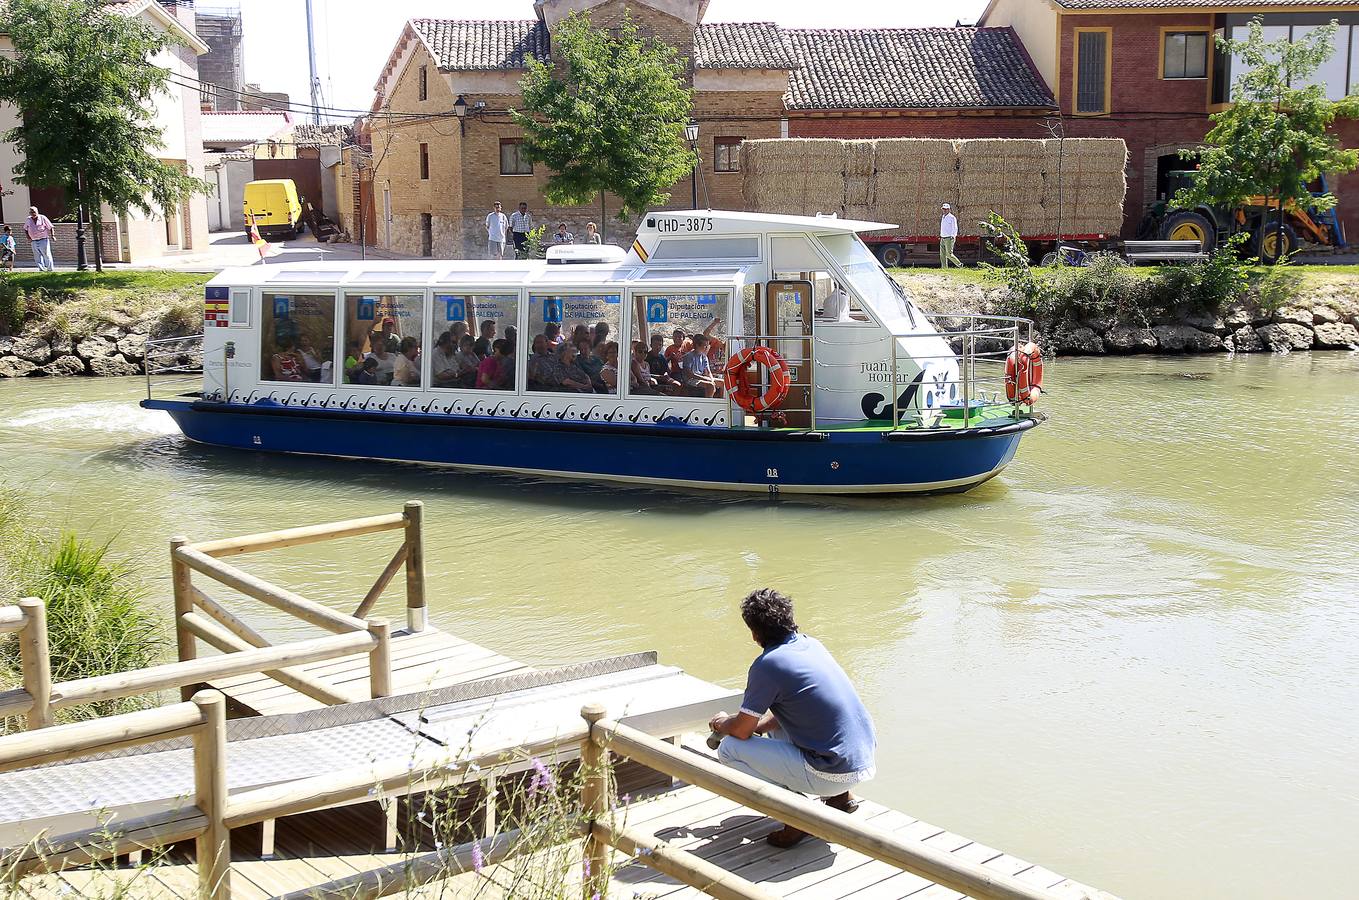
(382, 339)
(474, 341)
(239, 313)
(568, 342)
(683, 342)
(830, 301)
(707, 248)
(297, 338)
(878, 289)
(688, 274)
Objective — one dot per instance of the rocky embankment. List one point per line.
(114, 350)
(1323, 316)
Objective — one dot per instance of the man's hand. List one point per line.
(740, 726)
(717, 722)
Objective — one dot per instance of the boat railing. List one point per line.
(978, 345)
(799, 352)
(174, 366)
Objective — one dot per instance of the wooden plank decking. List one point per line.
(421, 661)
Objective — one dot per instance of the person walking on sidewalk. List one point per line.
(497, 223)
(39, 230)
(801, 723)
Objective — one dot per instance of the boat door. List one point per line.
(787, 314)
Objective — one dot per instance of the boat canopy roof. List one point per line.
(722, 221)
(418, 274)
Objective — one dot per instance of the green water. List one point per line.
(1131, 658)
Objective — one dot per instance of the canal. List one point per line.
(1131, 658)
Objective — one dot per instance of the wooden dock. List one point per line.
(316, 789)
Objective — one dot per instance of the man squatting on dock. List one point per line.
(801, 723)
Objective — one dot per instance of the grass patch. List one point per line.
(79, 303)
(97, 618)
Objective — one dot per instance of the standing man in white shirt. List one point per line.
(521, 223)
(948, 236)
(497, 224)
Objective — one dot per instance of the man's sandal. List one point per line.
(846, 802)
(785, 837)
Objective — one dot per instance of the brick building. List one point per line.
(434, 180)
(1148, 71)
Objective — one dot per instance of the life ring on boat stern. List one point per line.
(736, 375)
(1024, 374)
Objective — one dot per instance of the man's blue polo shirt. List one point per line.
(811, 696)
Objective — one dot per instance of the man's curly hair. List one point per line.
(769, 615)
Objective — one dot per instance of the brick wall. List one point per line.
(64, 243)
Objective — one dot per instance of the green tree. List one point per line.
(1274, 138)
(607, 115)
(84, 83)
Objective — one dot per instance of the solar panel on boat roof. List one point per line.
(295, 276)
(410, 277)
(486, 276)
(688, 274)
(565, 274)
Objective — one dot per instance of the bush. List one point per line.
(1105, 287)
(1279, 286)
(1205, 286)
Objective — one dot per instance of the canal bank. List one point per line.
(1141, 633)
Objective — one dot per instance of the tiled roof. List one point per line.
(742, 45)
(1196, 4)
(912, 68)
(465, 45)
(243, 127)
(307, 134)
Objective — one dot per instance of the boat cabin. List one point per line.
(593, 332)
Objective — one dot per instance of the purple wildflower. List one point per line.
(542, 777)
(478, 861)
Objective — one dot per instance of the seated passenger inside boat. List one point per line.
(387, 336)
(286, 364)
(468, 362)
(697, 370)
(443, 364)
(589, 363)
(386, 362)
(353, 358)
(311, 360)
(490, 373)
(560, 372)
(601, 333)
(536, 363)
(609, 374)
(482, 347)
(679, 346)
(367, 372)
(406, 372)
(553, 332)
(655, 358)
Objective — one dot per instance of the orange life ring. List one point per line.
(736, 375)
(1024, 374)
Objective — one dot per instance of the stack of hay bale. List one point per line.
(915, 176)
(905, 180)
(1079, 176)
(794, 176)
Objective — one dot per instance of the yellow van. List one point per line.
(273, 206)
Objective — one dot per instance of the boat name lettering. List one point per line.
(881, 373)
(688, 224)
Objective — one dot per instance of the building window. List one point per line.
(1184, 54)
(424, 162)
(1092, 71)
(424, 82)
(727, 154)
(512, 159)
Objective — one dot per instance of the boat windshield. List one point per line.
(879, 290)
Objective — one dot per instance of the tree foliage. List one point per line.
(83, 80)
(608, 114)
(1274, 138)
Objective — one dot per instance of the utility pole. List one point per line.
(311, 63)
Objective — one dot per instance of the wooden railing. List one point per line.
(198, 616)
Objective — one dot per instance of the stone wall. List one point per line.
(1325, 316)
(113, 350)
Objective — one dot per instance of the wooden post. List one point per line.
(380, 658)
(594, 802)
(181, 580)
(210, 796)
(417, 615)
(36, 661)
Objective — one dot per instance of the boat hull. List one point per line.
(752, 460)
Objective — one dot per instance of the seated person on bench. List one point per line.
(801, 724)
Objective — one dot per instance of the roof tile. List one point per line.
(742, 45)
(912, 68)
(466, 45)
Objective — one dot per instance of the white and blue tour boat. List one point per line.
(725, 350)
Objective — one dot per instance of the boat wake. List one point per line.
(107, 417)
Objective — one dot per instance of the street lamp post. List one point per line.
(460, 110)
(691, 134)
